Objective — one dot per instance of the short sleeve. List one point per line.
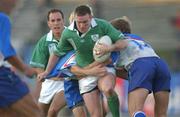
(64, 45)
(5, 36)
(40, 55)
(113, 33)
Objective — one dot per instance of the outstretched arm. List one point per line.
(102, 48)
(18, 64)
(94, 69)
(51, 63)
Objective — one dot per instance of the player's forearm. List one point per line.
(81, 72)
(78, 71)
(39, 70)
(91, 65)
(52, 62)
(17, 63)
(120, 44)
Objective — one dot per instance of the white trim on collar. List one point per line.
(93, 24)
(71, 26)
(49, 36)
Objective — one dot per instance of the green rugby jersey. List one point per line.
(45, 46)
(83, 45)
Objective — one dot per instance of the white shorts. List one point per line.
(88, 83)
(49, 89)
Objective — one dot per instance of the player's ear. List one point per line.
(48, 23)
(90, 16)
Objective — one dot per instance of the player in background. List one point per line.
(52, 97)
(15, 97)
(147, 72)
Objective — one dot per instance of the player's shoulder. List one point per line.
(100, 21)
(4, 17)
(103, 24)
(42, 40)
(68, 30)
(67, 33)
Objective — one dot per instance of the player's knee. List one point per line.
(108, 91)
(139, 114)
(95, 114)
(52, 112)
(160, 114)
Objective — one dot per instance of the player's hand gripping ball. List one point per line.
(103, 40)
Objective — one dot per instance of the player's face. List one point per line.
(83, 22)
(56, 22)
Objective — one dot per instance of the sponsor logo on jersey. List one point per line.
(51, 47)
(95, 37)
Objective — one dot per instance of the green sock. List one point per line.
(113, 103)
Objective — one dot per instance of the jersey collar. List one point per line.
(50, 36)
(93, 24)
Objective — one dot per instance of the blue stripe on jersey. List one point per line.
(61, 68)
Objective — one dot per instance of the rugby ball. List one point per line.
(103, 40)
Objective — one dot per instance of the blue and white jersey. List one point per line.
(62, 67)
(65, 62)
(6, 49)
(135, 49)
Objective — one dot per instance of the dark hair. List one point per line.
(54, 11)
(122, 25)
(82, 10)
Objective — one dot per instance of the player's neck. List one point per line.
(57, 35)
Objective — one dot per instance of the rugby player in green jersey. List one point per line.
(81, 36)
(52, 91)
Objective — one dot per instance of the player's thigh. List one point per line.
(92, 101)
(107, 82)
(6, 112)
(44, 107)
(136, 99)
(26, 107)
(58, 101)
(161, 103)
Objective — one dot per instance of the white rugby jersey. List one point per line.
(135, 49)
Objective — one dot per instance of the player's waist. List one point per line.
(127, 62)
(4, 63)
(56, 79)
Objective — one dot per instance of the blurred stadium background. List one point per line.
(152, 19)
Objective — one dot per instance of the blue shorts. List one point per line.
(72, 94)
(151, 73)
(11, 87)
